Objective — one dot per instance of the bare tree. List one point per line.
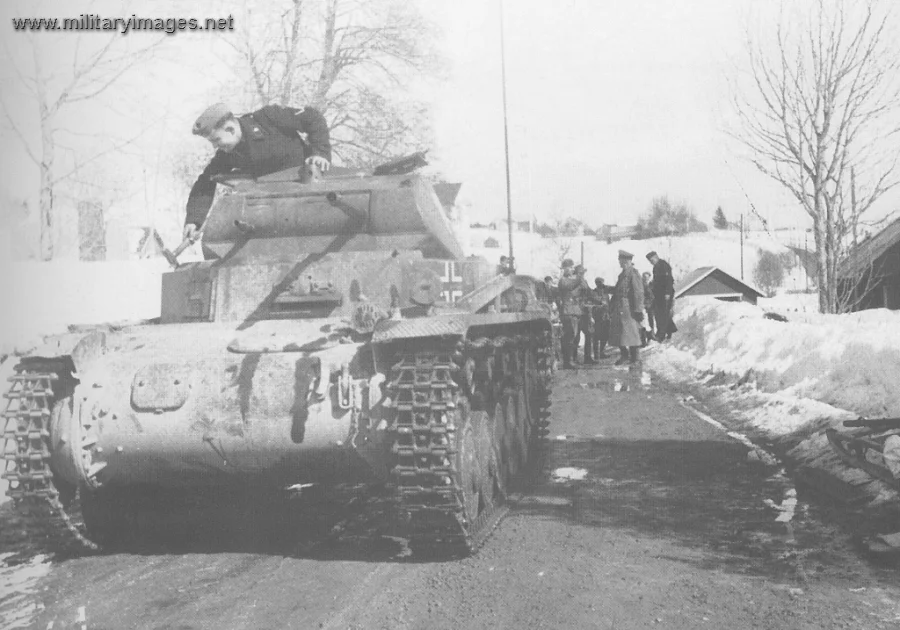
(351, 59)
(819, 116)
(50, 88)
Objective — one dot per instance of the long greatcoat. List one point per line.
(628, 298)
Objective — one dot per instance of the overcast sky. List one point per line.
(609, 105)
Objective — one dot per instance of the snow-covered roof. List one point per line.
(697, 275)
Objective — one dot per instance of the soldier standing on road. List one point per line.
(586, 320)
(627, 311)
(570, 298)
(268, 140)
(600, 313)
(649, 331)
(663, 297)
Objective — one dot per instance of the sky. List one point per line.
(609, 104)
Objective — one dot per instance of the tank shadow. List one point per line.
(341, 523)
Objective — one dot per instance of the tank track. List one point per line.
(33, 389)
(436, 389)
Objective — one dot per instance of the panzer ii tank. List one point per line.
(334, 333)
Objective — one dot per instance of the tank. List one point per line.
(334, 334)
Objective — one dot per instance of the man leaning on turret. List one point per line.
(268, 140)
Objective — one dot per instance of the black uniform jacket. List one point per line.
(270, 142)
(663, 282)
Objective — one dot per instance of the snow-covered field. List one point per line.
(720, 248)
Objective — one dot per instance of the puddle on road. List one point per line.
(18, 590)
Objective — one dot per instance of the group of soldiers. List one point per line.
(583, 311)
(611, 315)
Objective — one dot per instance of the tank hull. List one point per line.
(334, 334)
(174, 406)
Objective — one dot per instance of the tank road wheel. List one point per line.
(468, 467)
(517, 421)
(502, 437)
(492, 457)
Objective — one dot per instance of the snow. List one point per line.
(19, 601)
(45, 298)
(845, 361)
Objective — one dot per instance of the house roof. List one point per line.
(694, 278)
(868, 251)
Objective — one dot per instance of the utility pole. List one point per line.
(509, 218)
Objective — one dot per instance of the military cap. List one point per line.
(599, 281)
(211, 118)
(626, 255)
(579, 268)
(568, 262)
(651, 255)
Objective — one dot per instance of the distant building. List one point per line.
(502, 225)
(611, 232)
(713, 282)
(869, 277)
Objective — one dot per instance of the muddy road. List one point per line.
(642, 515)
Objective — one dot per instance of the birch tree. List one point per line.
(819, 114)
(39, 89)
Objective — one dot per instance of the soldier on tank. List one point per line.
(268, 140)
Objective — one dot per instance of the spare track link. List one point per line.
(426, 387)
(26, 449)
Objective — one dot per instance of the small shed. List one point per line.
(869, 277)
(713, 282)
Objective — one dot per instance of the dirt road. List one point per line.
(643, 516)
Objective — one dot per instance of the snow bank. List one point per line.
(44, 298)
(788, 381)
(846, 361)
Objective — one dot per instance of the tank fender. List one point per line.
(78, 348)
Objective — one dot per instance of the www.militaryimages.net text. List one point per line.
(94, 22)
